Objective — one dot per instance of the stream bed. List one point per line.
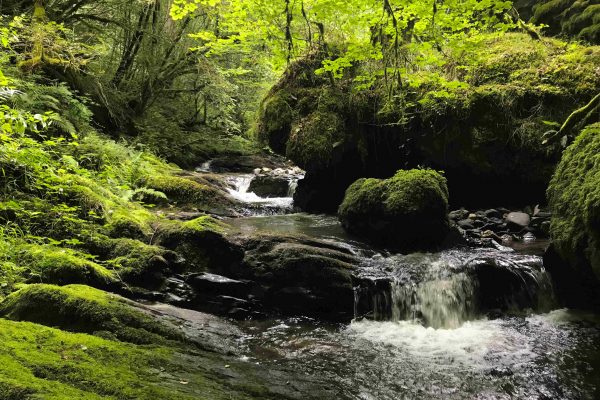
(421, 336)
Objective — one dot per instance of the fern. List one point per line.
(144, 193)
(6, 93)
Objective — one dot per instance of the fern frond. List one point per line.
(7, 93)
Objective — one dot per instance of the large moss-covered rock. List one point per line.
(408, 211)
(574, 195)
(575, 18)
(84, 309)
(202, 243)
(481, 121)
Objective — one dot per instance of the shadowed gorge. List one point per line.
(312, 199)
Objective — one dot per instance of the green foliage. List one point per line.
(574, 196)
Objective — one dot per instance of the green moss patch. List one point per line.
(574, 195)
(42, 363)
(313, 140)
(408, 211)
(84, 309)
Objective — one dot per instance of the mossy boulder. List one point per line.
(141, 264)
(314, 139)
(60, 266)
(479, 116)
(574, 196)
(190, 191)
(81, 308)
(408, 211)
(574, 18)
(203, 244)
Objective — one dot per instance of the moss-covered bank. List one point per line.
(574, 195)
(408, 211)
(479, 116)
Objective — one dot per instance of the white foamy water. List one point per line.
(241, 184)
(475, 345)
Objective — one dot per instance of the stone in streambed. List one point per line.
(300, 276)
(270, 186)
(407, 212)
(518, 219)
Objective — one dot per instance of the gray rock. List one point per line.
(270, 186)
(493, 213)
(458, 215)
(518, 219)
(466, 224)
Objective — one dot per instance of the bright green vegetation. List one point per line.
(103, 101)
(37, 363)
(408, 210)
(479, 112)
(83, 309)
(489, 89)
(574, 195)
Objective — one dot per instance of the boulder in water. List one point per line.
(408, 211)
(300, 276)
(270, 186)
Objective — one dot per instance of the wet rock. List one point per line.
(458, 215)
(270, 186)
(207, 284)
(573, 281)
(300, 276)
(247, 163)
(545, 228)
(466, 224)
(493, 213)
(518, 219)
(502, 285)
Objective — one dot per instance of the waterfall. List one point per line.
(293, 185)
(447, 289)
(239, 191)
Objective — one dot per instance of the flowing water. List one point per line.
(463, 323)
(240, 183)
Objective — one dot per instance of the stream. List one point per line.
(418, 331)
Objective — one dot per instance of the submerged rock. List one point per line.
(408, 211)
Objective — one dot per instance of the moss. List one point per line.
(138, 263)
(277, 112)
(408, 211)
(202, 242)
(57, 265)
(41, 363)
(84, 309)
(574, 196)
(187, 191)
(313, 140)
